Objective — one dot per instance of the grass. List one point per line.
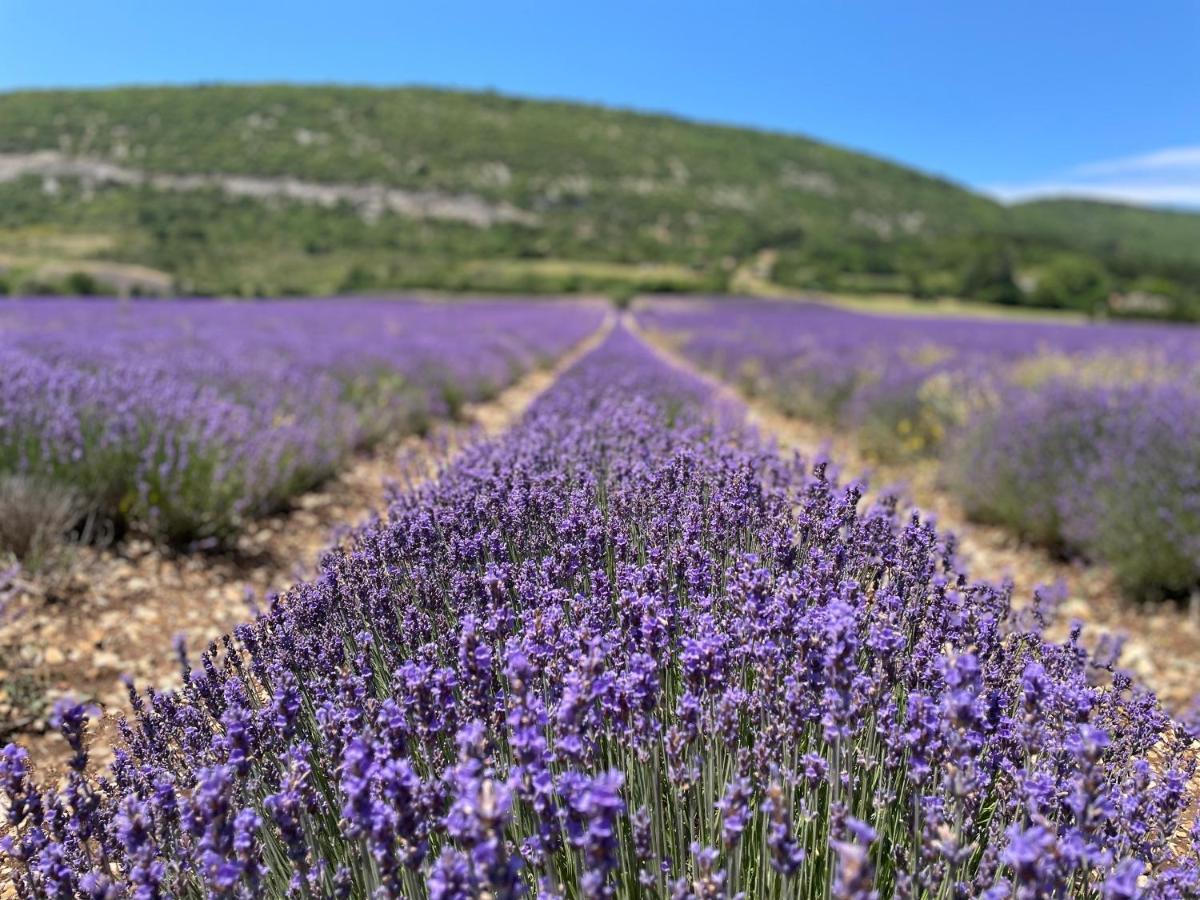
(900, 304)
(746, 280)
(582, 275)
(49, 259)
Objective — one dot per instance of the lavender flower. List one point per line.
(187, 418)
(628, 650)
(1080, 437)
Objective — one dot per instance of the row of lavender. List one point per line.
(628, 651)
(1082, 437)
(186, 418)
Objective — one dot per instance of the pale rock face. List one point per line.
(809, 181)
(370, 200)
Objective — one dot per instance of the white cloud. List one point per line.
(1172, 158)
(1167, 177)
(1180, 194)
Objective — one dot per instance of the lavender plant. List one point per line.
(1080, 437)
(1110, 472)
(186, 418)
(627, 650)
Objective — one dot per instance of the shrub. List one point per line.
(35, 519)
(1013, 463)
(1138, 507)
(989, 276)
(83, 284)
(1112, 473)
(893, 419)
(1072, 282)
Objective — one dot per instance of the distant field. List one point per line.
(750, 283)
(901, 304)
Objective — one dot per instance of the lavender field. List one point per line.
(606, 452)
(627, 650)
(186, 419)
(1083, 438)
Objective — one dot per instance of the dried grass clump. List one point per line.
(36, 519)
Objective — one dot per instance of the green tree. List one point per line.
(81, 283)
(988, 275)
(358, 278)
(1072, 282)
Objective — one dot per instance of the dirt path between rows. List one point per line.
(119, 611)
(1162, 640)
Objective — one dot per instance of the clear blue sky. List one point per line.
(1016, 96)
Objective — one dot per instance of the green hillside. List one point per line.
(276, 189)
(1142, 236)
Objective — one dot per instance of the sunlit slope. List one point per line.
(313, 189)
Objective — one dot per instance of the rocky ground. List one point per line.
(116, 613)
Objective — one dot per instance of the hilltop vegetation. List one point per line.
(274, 189)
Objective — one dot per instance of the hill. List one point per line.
(1159, 238)
(287, 189)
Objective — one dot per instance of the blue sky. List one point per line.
(1018, 98)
